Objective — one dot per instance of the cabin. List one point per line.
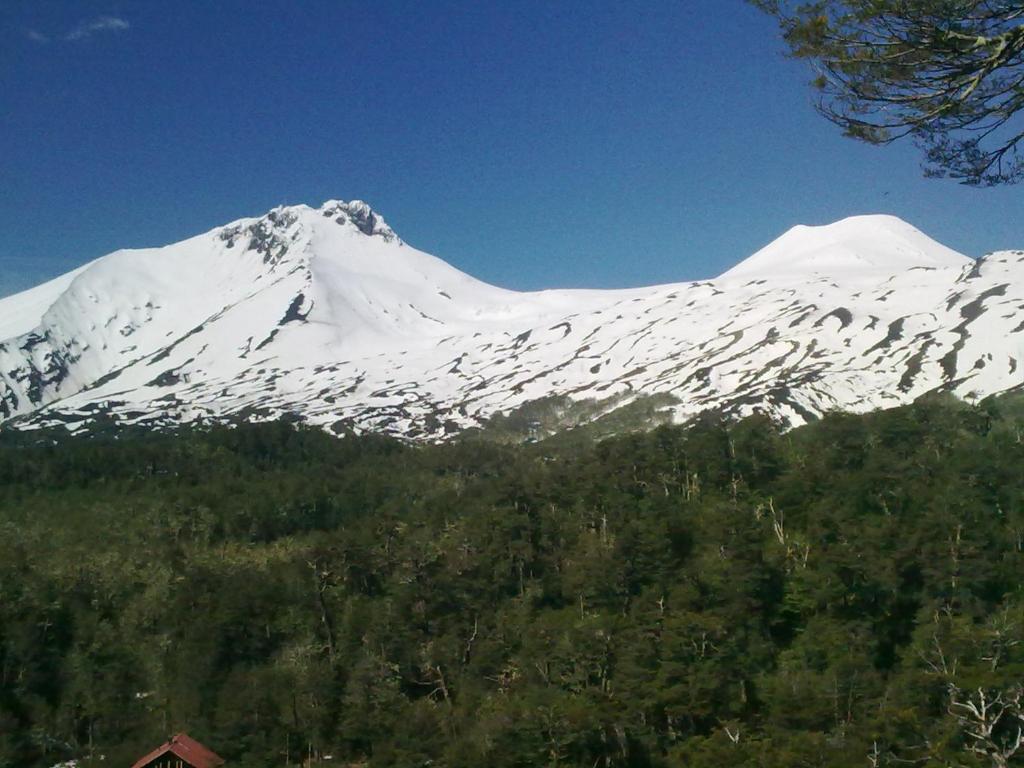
(182, 751)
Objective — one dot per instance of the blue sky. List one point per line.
(532, 144)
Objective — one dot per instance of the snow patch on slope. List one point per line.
(22, 312)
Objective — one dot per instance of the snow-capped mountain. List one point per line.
(327, 315)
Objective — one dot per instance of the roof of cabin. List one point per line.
(188, 749)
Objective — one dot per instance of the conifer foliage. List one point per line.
(948, 73)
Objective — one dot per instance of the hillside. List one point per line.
(720, 594)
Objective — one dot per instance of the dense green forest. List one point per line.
(724, 594)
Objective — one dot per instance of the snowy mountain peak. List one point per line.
(277, 232)
(855, 247)
(324, 314)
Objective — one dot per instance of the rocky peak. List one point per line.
(361, 216)
(270, 235)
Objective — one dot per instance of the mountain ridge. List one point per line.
(327, 315)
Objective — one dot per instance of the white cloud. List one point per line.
(99, 24)
(36, 37)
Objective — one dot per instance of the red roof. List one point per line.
(188, 749)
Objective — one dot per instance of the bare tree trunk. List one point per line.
(321, 578)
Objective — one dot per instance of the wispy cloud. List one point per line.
(82, 31)
(99, 24)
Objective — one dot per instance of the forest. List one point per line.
(725, 593)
